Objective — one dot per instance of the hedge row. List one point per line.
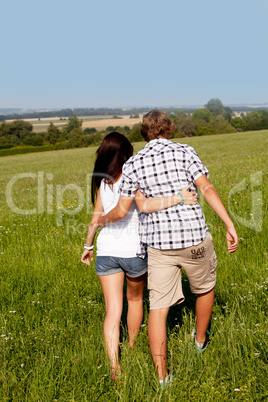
(26, 150)
(6, 146)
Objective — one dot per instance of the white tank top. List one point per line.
(119, 239)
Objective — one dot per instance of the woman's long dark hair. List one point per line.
(113, 152)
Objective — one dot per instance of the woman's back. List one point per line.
(120, 239)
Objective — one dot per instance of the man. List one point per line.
(177, 236)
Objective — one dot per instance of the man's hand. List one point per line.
(213, 199)
(232, 240)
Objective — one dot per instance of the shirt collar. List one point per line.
(156, 141)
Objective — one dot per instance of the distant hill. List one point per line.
(11, 111)
(80, 112)
(17, 113)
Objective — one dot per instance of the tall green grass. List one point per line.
(52, 307)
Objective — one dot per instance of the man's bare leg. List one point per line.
(203, 310)
(158, 340)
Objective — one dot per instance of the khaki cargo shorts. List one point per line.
(164, 272)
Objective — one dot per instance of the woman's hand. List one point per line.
(148, 205)
(189, 197)
(87, 257)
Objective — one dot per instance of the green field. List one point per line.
(52, 307)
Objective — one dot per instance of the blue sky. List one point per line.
(120, 53)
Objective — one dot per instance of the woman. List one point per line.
(119, 243)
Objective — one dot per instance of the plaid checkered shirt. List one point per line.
(163, 168)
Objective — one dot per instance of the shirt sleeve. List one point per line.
(195, 166)
(129, 184)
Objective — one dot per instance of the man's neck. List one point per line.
(160, 137)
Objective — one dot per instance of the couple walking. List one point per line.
(169, 227)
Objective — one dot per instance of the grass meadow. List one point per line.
(52, 306)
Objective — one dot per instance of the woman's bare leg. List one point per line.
(112, 286)
(135, 288)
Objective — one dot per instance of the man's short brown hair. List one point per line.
(156, 124)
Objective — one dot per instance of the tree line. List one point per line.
(77, 111)
(214, 118)
(103, 111)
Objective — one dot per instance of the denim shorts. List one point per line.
(133, 267)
